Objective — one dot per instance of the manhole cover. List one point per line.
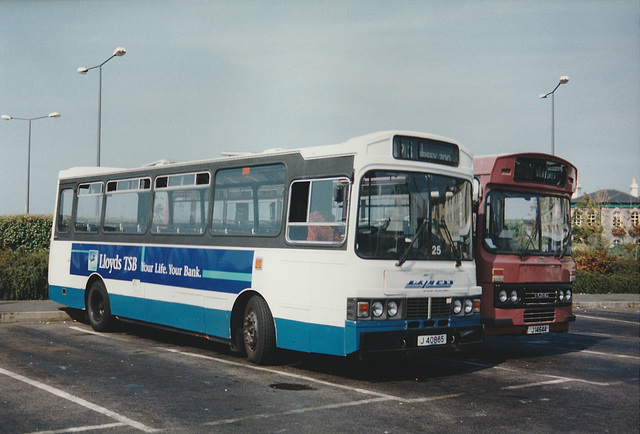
(290, 386)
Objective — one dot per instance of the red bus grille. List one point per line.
(418, 308)
(539, 296)
(539, 315)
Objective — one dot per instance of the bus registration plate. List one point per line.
(536, 330)
(428, 340)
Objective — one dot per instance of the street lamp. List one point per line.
(119, 52)
(8, 118)
(563, 80)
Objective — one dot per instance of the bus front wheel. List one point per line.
(98, 307)
(259, 331)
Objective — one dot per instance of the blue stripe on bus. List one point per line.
(72, 297)
(221, 270)
(314, 338)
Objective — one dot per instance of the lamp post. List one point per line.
(8, 118)
(563, 80)
(119, 52)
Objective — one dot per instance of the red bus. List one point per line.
(522, 249)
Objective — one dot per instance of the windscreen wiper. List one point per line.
(563, 251)
(523, 251)
(403, 257)
(457, 252)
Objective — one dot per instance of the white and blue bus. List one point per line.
(359, 248)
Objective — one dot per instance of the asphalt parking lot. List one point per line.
(61, 376)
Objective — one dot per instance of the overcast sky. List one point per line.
(203, 77)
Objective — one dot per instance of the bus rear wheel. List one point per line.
(98, 307)
(258, 331)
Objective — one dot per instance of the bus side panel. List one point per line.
(186, 288)
(306, 292)
(314, 338)
(63, 288)
(72, 297)
(178, 315)
(217, 317)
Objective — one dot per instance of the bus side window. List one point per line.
(248, 201)
(298, 209)
(127, 206)
(318, 211)
(64, 210)
(181, 203)
(89, 207)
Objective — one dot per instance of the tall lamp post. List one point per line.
(563, 80)
(8, 118)
(119, 52)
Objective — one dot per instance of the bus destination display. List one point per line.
(540, 171)
(428, 150)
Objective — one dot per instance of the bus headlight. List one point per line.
(392, 309)
(457, 306)
(502, 296)
(561, 295)
(567, 295)
(514, 296)
(468, 306)
(377, 309)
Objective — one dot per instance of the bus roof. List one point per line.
(498, 169)
(366, 144)
(483, 164)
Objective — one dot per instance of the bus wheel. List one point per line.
(259, 332)
(98, 308)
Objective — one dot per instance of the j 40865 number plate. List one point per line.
(428, 340)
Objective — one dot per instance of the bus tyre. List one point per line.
(259, 332)
(98, 307)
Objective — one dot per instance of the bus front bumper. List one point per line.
(411, 342)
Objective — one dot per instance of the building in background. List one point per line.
(616, 212)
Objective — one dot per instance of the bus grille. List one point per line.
(539, 315)
(439, 307)
(418, 308)
(539, 296)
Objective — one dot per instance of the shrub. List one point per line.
(599, 272)
(590, 282)
(23, 274)
(24, 256)
(30, 232)
(597, 260)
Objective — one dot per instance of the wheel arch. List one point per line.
(93, 278)
(237, 316)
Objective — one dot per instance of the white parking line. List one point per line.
(556, 378)
(328, 407)
(608, 319)
(83, 428)
(288, 374)
(76, 400)
(104, 335)
(297, 411)
(540, 383)
(598, 353)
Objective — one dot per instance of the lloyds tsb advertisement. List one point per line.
(221, 270)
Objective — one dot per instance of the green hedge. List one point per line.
(23, 274)
(31, 232)
(24, 256)
(608, 274)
